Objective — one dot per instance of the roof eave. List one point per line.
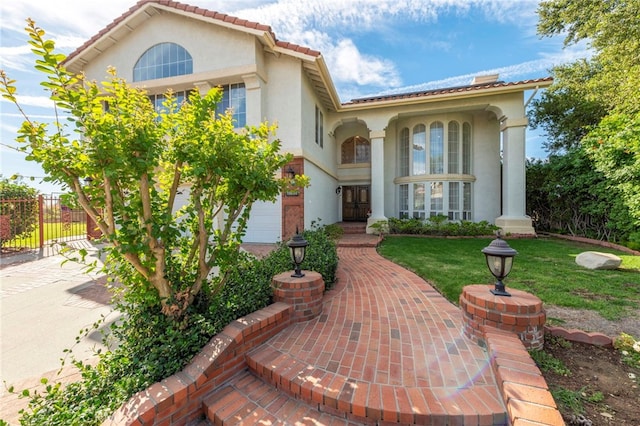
(411, 100)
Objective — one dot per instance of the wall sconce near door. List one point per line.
(291, 174)
(339, 190)
(292, 190)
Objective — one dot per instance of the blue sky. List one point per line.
(370, 46)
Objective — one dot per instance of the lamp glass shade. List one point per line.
(298, 254)
(500, 266)
(499, 258)
(297, 249)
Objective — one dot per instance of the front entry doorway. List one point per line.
(356, 203)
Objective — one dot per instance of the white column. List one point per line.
(377, 179)
(514, 219)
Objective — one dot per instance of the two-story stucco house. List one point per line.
(459, 152)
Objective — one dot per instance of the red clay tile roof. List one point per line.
(198, 11)
(447, 90)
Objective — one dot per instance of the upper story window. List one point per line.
(436, 144)
(161, 61)
(444, 149)
(234, 98)
(319, 127)
(159, 100)
(466, 148)
(356, 150)
(404, 152)
(454, 147)
(419, 149)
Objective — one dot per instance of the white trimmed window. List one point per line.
(419, 150)
(356, 150)
(446, 149)
(436, 151)
(454, 147)
(404, 201)
(419, 197)
(161, 61)
(404, 152)
(158, 100)
(234, 98)
(319, 127)
(466, 148)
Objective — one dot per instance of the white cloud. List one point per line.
(349, 65)
(325, 25)
(32, 101)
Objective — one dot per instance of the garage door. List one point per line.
(265, 223)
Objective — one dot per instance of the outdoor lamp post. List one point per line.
(297, 247)
(499, 260)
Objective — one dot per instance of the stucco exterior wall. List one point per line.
(485, 131)
(321, 200)
(211, 47)
(284, 102)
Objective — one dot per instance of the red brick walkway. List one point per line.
(387, 348)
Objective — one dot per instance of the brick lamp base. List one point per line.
(522, 313)
(304, 294)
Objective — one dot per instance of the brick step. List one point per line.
(248, 400)
(370, 403)
(353, 227)
(359, 240)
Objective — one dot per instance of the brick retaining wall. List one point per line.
(178, 398)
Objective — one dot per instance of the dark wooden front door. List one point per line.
(356, 203)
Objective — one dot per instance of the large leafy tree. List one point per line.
(595, 103)
(612, 29)
(127, 163)
(565, 193)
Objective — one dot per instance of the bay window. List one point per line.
(434, 170)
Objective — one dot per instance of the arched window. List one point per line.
(436, 144)
(356, 150)
(419, 149)
(453, 147)
(404, 152)
(466, 148)
(161, 61)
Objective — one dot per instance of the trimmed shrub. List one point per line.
(440, 226)
(321, 257)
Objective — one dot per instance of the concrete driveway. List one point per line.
(43, 307)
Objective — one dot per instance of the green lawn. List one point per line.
(544, 267)
(52, 231)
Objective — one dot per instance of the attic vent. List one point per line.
(483, 79)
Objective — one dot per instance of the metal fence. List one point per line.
(39, 223)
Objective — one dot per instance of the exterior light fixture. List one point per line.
(291, 174)
(297, 247)
(499, 260)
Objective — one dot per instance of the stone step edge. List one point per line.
(357, 400)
